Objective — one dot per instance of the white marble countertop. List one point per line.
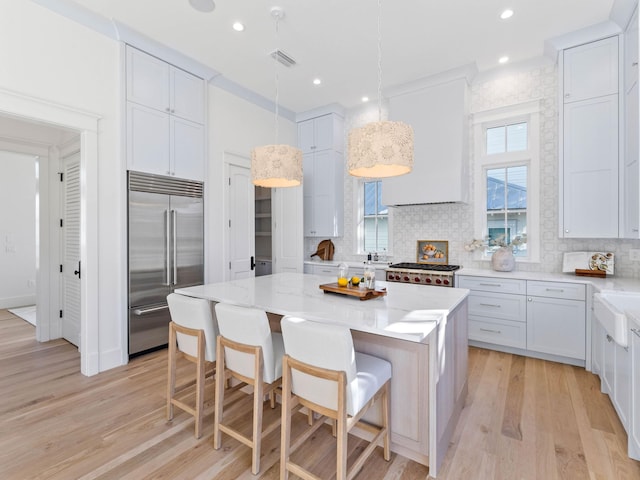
(408, 312)
(608, 283)
(354, 264)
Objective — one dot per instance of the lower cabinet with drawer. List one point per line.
(529, 317)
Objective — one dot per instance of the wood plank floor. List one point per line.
(524, 419)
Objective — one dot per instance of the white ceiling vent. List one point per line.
(283, 58)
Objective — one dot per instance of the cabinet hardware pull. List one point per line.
(143, 311)
(634, 229)
(490, 305)
(489, 330)
(567, 95)
(609, 338)
(636, 331)
(634, 64)
(491, 284)
(555, 290)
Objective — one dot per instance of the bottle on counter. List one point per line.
(369, 274)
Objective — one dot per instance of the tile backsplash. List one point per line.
(454, 222)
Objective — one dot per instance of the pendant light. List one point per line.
(383, 148)
(276, 165)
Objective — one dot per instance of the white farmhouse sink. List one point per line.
(609, 308)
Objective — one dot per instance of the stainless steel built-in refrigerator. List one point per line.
(166, 251)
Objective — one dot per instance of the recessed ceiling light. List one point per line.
(203, 5)
(238, 26)
(504, 59)
(317, 81)
(508, 13)
(365, 99)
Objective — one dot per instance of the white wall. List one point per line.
(47, 56)
(235, 126)
(17, 230)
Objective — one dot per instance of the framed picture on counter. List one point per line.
(433, 251)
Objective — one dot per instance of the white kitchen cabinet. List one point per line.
(590, 169)
(590, 141)
(608, 364)
(323, 194)
(631, 173)
(439, 117)
(622, 384)
(590, 70)
(164, 145)
(165, 118)
(633, 431)
(556, 316)
(325, 132)
(529, 317)
(597, 346)
(159, 85)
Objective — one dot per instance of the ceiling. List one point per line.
(336, 40)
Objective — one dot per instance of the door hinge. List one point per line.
(229, 265)
(61, 223)
(60, 313)
(60, 268)
(61, 176)
(229, 181)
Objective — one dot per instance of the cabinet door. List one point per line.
(634, 426)
(591, 70)
(323, 194)
(590, 169)
(306, 139)
(597, 346)
(622, 384)
(556, 326)
(147, 80)
(187, 95)
(608, 365)
(631, 52)
(323, 132)
(148, 134)
(631, 206)
(187, 149)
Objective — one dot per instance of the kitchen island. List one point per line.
(421, 330)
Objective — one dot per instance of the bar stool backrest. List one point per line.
(194, 313)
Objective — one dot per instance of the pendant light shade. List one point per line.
(383, 148)
(276, 166)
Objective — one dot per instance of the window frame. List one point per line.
(358, 212)
(528, 112)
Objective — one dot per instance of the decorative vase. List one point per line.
(503, 260)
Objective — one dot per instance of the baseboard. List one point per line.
(22, 301)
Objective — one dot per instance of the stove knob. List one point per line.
(397, 277)
(406, 279)
(417, 279)
(438, 281)
(445, 281)
(427, 280)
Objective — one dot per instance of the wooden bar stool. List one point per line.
(192, 334)
(250, 353)
(323, 372)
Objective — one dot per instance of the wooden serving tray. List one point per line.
(590, 273)
(361, 293)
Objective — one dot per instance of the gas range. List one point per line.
(422, 274)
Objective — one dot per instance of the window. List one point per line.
(506, 169)
(374, 232)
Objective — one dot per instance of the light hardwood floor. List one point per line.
(524, 419)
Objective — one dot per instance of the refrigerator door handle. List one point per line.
(143, 311)
(175, 246)
(167, 269)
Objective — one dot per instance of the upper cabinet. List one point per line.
(631, 171)
(165, 118)
(591, 70)
(321, 140)
(590, 141)
(321, 133)
(439, 116)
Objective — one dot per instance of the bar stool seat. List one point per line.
(323, 372)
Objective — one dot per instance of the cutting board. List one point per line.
(361, 293)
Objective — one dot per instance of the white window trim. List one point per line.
(529, 112)
(358, 217)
